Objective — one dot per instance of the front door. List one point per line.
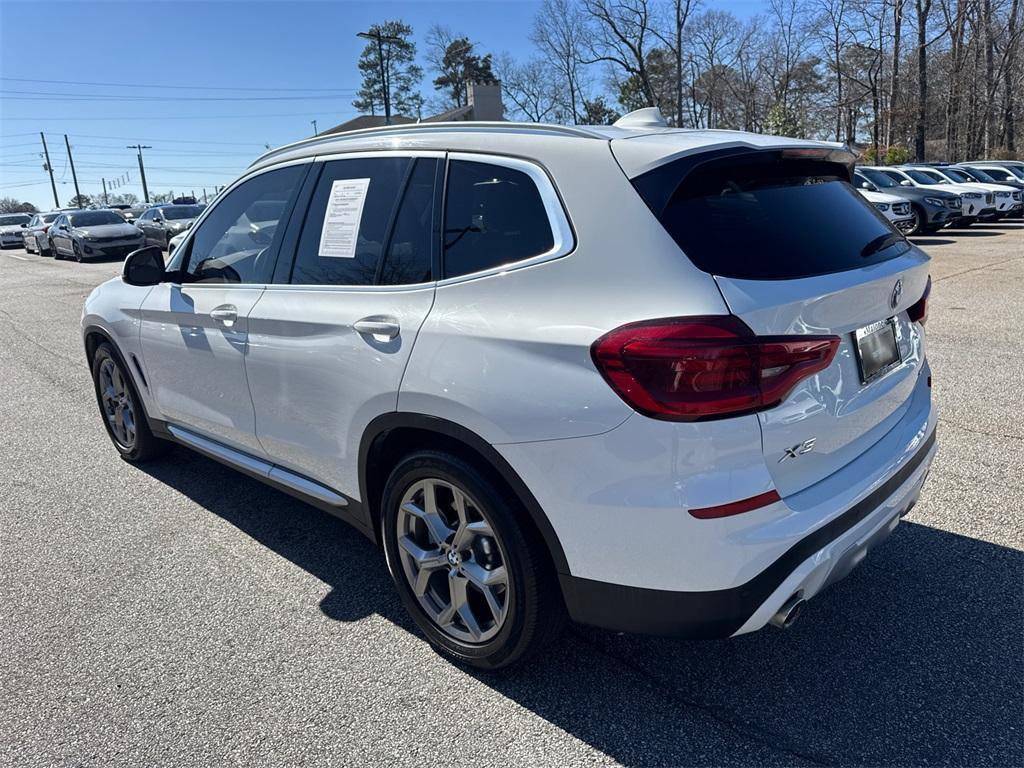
(195, 332)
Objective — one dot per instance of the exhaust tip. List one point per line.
(789, 612)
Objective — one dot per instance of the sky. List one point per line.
(207, 85)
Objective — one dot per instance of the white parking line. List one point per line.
(19, 258)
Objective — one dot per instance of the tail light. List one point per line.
(692, 368)
(918, 312)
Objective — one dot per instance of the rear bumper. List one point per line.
(809, 566)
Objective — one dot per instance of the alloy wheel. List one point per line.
(453, 560)
(117, 403)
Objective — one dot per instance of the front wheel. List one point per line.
(469, 569)
(77, 250)
(121, 409)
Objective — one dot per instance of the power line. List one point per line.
(176, 117)
(175, 87)
(62, 97)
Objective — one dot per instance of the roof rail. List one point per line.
(470, 125)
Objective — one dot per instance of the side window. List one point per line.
(410, 249)
(145, 216)
(493, 215)
(343, 237)
(238, 241)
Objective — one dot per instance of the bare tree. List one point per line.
(533, 89)
(559, 32)
(622, 36)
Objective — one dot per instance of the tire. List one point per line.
(117, 398)
(26, 242)
(525, 611)
(56, 254)
(76, 249)
(919, 221)
(44, 249)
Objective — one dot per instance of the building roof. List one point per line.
(366, 121)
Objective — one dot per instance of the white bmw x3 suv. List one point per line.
(652, 380)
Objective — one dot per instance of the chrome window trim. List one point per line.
(558, 220)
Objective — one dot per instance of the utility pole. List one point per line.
(53, 184)
(71, 160)
(105, 201)
(142, 170)
(204, 194)
(315, 131)
(375, 34)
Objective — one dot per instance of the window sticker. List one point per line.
(340, 231)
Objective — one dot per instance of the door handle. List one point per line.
(378, 325)
(225, 314)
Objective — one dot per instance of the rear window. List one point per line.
(772, 219)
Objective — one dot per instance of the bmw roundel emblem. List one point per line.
(897, 294)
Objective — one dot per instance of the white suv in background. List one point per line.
(895, 209)
(654, 380)
(1002, 195)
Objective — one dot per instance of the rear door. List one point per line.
(329, 340)
(795, 250)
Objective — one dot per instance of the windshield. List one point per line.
(48, 218)
(922, 178)
(95, 219)
(16, 218)
(977, 175)
(877, 178)
(181, 211)
(759, 219)
(956, 175)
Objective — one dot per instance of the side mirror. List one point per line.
(144, 267)
(906, 183)
(24, 225)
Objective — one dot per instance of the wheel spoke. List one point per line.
(483, 578)
(116, 380)
(460, 601)
(437, 528)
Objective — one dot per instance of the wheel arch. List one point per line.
(392, 435)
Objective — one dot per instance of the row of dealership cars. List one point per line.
(920, 199)
(82, 234)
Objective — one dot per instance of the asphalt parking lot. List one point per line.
(183, 614)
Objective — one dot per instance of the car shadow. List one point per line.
(931, 241)
(916, 658)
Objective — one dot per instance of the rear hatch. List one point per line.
(795, 250)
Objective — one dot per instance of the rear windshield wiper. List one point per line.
(880, 242)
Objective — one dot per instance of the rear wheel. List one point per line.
(476, 581)
(122, 411)
(56, 254)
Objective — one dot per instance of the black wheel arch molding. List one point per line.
(385, 424)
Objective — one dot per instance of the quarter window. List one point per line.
(239, 239)
(494, 215)
(346, 228)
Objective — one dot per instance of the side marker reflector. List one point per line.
(736, 507)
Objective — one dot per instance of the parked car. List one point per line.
(162, 222)
(34, 235)
(975, 202)
(983, 176)
(1014, 168)
(92, 234)
(174, 242)
(133, 213)
(1001, 196)
(930, 209)
(539, 400)
(895, 209)
(12, 225)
